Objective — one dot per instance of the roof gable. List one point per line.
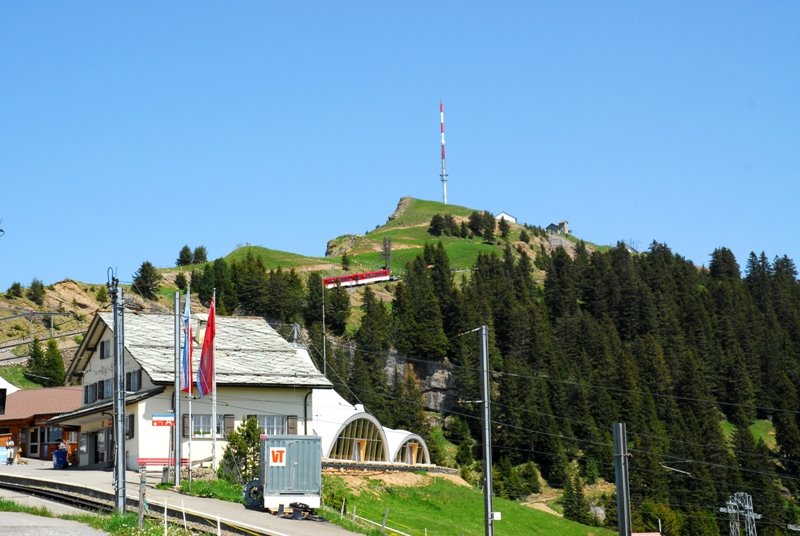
(247, 351)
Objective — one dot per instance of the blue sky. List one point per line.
(130, 129)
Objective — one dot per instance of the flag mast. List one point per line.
(214, 391)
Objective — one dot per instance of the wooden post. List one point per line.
(385, 518)
(142, 494)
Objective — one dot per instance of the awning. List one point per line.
(91, 413)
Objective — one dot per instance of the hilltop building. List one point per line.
(561, 228)
(506, 216)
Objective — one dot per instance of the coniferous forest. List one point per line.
(688, 357)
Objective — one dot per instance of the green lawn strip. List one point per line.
(218, 489)
(118, 525)
(421, 211)
(15, 374)
(274, 258)
(442, 506)
(761, 429)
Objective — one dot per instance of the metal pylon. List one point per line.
(741, 503)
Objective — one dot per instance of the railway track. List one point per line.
(99, 502)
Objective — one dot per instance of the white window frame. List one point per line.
(201, 426)
(273, 424)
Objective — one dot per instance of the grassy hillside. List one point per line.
(442, 507)
(408, 230)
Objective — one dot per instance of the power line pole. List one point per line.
(118, 303)
(487, 432)
(177, 403)
(621, 476)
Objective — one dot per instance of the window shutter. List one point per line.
(130, 424)
(128, 381)
(228, 425)
(85, 394)
(185, 425)
(291, 424)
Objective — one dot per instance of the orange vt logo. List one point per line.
(277, 456)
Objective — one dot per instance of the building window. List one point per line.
(54, 434)
(201, 425)
(89, 393)
(105, 349)
(103, 389)
(133, 380)
(272, 424)
(129, 426)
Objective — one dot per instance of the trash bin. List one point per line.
(59, 459)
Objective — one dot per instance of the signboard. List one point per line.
(277, 456)
(163, 419)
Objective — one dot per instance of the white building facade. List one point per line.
(258, 374)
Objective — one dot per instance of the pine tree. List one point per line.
(53, 365)
(147, 281)
(180, 281)
(14, 291)
(36, 292)
(437, 225)
(337, 307)
(185, 257)
(35, 369)
(504, 228)
(312, 312)
(368, 377)
(242, 455)
(200, 255)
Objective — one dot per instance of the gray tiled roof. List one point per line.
(247, 351)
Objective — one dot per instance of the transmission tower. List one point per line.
(740, 504)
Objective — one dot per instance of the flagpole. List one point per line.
(176, 432)
(191, 431)
(214, 397)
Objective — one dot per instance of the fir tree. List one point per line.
(53, 365)
(242, 455)
(185, 257)
(337, 306)
(147, 281)
(36, 368)
(14, 291)
(36, 292)
(200, 255)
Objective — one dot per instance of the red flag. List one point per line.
(206, 371)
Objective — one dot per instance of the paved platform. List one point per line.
(235, 514)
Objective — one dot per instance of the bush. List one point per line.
(15, 290)
(36, 292)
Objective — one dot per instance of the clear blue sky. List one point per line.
(130, 129)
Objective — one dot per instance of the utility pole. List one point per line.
(621, 476)
(487, 432)
(177, 403)
(324, 342)
(118, 303)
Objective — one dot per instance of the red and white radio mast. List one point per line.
(444, 169)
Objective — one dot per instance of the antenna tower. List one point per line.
(444, 169)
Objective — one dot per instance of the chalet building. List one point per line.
(561, 228)
(26, 420)
(506, 216)
(258, 374)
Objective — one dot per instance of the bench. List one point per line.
(164, 462)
